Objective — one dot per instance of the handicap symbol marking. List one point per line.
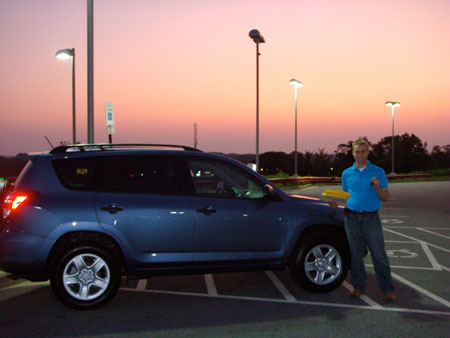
(392, 221)
(402, 253)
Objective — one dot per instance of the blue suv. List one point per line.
(83, 216)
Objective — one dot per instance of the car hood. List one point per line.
(316, 207)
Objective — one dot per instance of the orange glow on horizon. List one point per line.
(166, 67)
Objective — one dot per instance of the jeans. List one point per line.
(365, 229)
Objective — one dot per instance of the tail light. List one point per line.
(15, 200)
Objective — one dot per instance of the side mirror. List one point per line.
(269, 194)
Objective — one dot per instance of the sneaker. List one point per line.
(356, 293)
(390, 297)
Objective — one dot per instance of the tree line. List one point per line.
(410, 154)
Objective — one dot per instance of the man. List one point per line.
(368, 186)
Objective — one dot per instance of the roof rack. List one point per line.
(69, 148)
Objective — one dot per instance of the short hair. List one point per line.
(360, 141)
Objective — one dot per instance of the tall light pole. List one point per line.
(64, 54)
(296, 85)
(90, 70)
(393, 104)
(257, 38)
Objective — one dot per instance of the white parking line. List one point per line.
(142, 284)
(422, 290)
(276, 300)
(433, 233)
(444, 267)
(434, 263)
(432, 228)
(210, 285)
(418, 240)
(27, 283)
(365, 298)
(391, 216)
(403, 242)
(411, 267)
(285, 292)
(430, 256)
(20, 289)
(436, 228)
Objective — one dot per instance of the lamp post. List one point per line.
(296, 85)
(64, 54)
(90, 70)
(393, 104)
(257, 38)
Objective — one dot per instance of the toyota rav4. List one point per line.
(83, 216)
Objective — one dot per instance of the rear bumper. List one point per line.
(22, 255)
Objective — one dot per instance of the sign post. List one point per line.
(109, 113)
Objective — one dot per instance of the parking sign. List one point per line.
(109, 111)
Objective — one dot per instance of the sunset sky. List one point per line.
(167, 64)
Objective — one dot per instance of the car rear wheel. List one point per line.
(320, 263)
(86, 277)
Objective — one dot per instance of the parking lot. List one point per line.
(416, 224)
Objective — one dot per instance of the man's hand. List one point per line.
(375, 183)
(383, 194)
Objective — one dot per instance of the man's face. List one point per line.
(361, 153)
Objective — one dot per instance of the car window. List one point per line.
(76, 173)
(143, 175)
(217, 178)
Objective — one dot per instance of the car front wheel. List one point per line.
(319, 263)
(85, 277)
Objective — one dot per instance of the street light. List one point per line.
(296, 85)
(393, 105)
(90, 71)
(257, 38)
(65, 54)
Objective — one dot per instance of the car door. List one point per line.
(233, 219)
(143, 200)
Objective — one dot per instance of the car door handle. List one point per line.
(207, 210)
(112, 208)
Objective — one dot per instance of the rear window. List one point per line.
(137, 174)
(76, 173)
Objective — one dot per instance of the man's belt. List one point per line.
(349, 211)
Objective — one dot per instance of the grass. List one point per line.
(422, 179)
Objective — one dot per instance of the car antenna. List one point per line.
(51, 145)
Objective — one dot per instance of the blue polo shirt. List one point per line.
(363, 197)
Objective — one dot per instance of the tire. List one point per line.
(85, 277)
(320, 263)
